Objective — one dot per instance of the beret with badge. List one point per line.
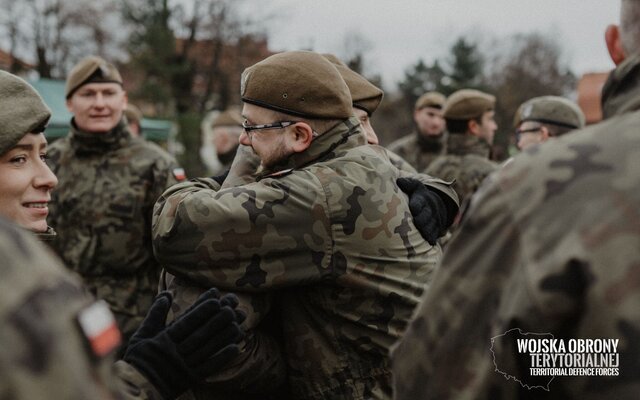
(467, 104)
(91, 69)
(430, 99)
(553, 110)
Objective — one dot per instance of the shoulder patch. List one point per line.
(99, 328)
(179, 174)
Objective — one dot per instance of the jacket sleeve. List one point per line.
(272, 233)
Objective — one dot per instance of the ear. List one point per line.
(301, 137)
(614, 44)
(126, 100)
(474, 127)
(544, 134)
(68, 104)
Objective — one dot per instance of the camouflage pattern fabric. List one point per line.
(44, 354)
(467, 162)
(331, 235)
(550, 244)
(419, 151)
(101, 210)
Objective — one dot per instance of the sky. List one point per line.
(400, 32)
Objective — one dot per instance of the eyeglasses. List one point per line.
(519, 132)
(276, 125)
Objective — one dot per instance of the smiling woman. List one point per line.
(25, 179)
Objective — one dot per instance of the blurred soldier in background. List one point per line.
(134, 120)
(221, 140)
(109, 182)
(550, 244)
(545, 117)
(421, 147)
(469, 115)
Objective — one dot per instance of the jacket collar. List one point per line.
(85, 143)
(460, 145)
(621, 93)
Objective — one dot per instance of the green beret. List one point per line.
(551, 110)
(133, 113)
(467, 104)
(364, 94)
(229, 117)
(430, 99)
(300, 83)
(91, 69)
(22, 111)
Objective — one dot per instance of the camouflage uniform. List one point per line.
(420, 151)
(101, 210)
(551, 244)
(44, 354)
(467, 162)
(332, 235)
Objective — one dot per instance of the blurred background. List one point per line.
(182, 59)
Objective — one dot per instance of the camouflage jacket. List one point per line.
(550, 245)
(332, 235)
(45, 354)
(467, 162)
(419, 151)
(101, 210)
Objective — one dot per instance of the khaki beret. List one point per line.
(553, 110)
(300, 83)
(91, 69)
(133, 113)
(466, 104)
(229, 117)
(430, 99)
(364, 94)
(22, 111)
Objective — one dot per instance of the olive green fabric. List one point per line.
(466, 104)
(364, 94)
(431, 99)
(22, 111)
(551, 110)
(299, 83)
(91, 69)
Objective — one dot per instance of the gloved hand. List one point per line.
(197, 344)
(431, 215)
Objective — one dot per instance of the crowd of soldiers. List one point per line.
(310, 265)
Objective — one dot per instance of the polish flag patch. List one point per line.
(179, 174)
(100, 328)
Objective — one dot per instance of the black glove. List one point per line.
(197, 344)
(220, 178)
(430, 213)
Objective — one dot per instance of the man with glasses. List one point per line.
(322, 227)
(542, 118)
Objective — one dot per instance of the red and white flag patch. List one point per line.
(179, 174)
(100, 328)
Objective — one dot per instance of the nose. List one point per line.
(99, 100)
(244, 139)
(45, 178)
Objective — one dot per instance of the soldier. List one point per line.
(429, 139)
(551, 245)
(109, 182)
(323, 226)
(544, 117)
(58, 342)
(222, 137)
(134, 118)
(470, 122)
(433, 205)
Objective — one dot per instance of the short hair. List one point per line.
(318, 125)
(556, 130)
(630, 26)
(460, 126)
